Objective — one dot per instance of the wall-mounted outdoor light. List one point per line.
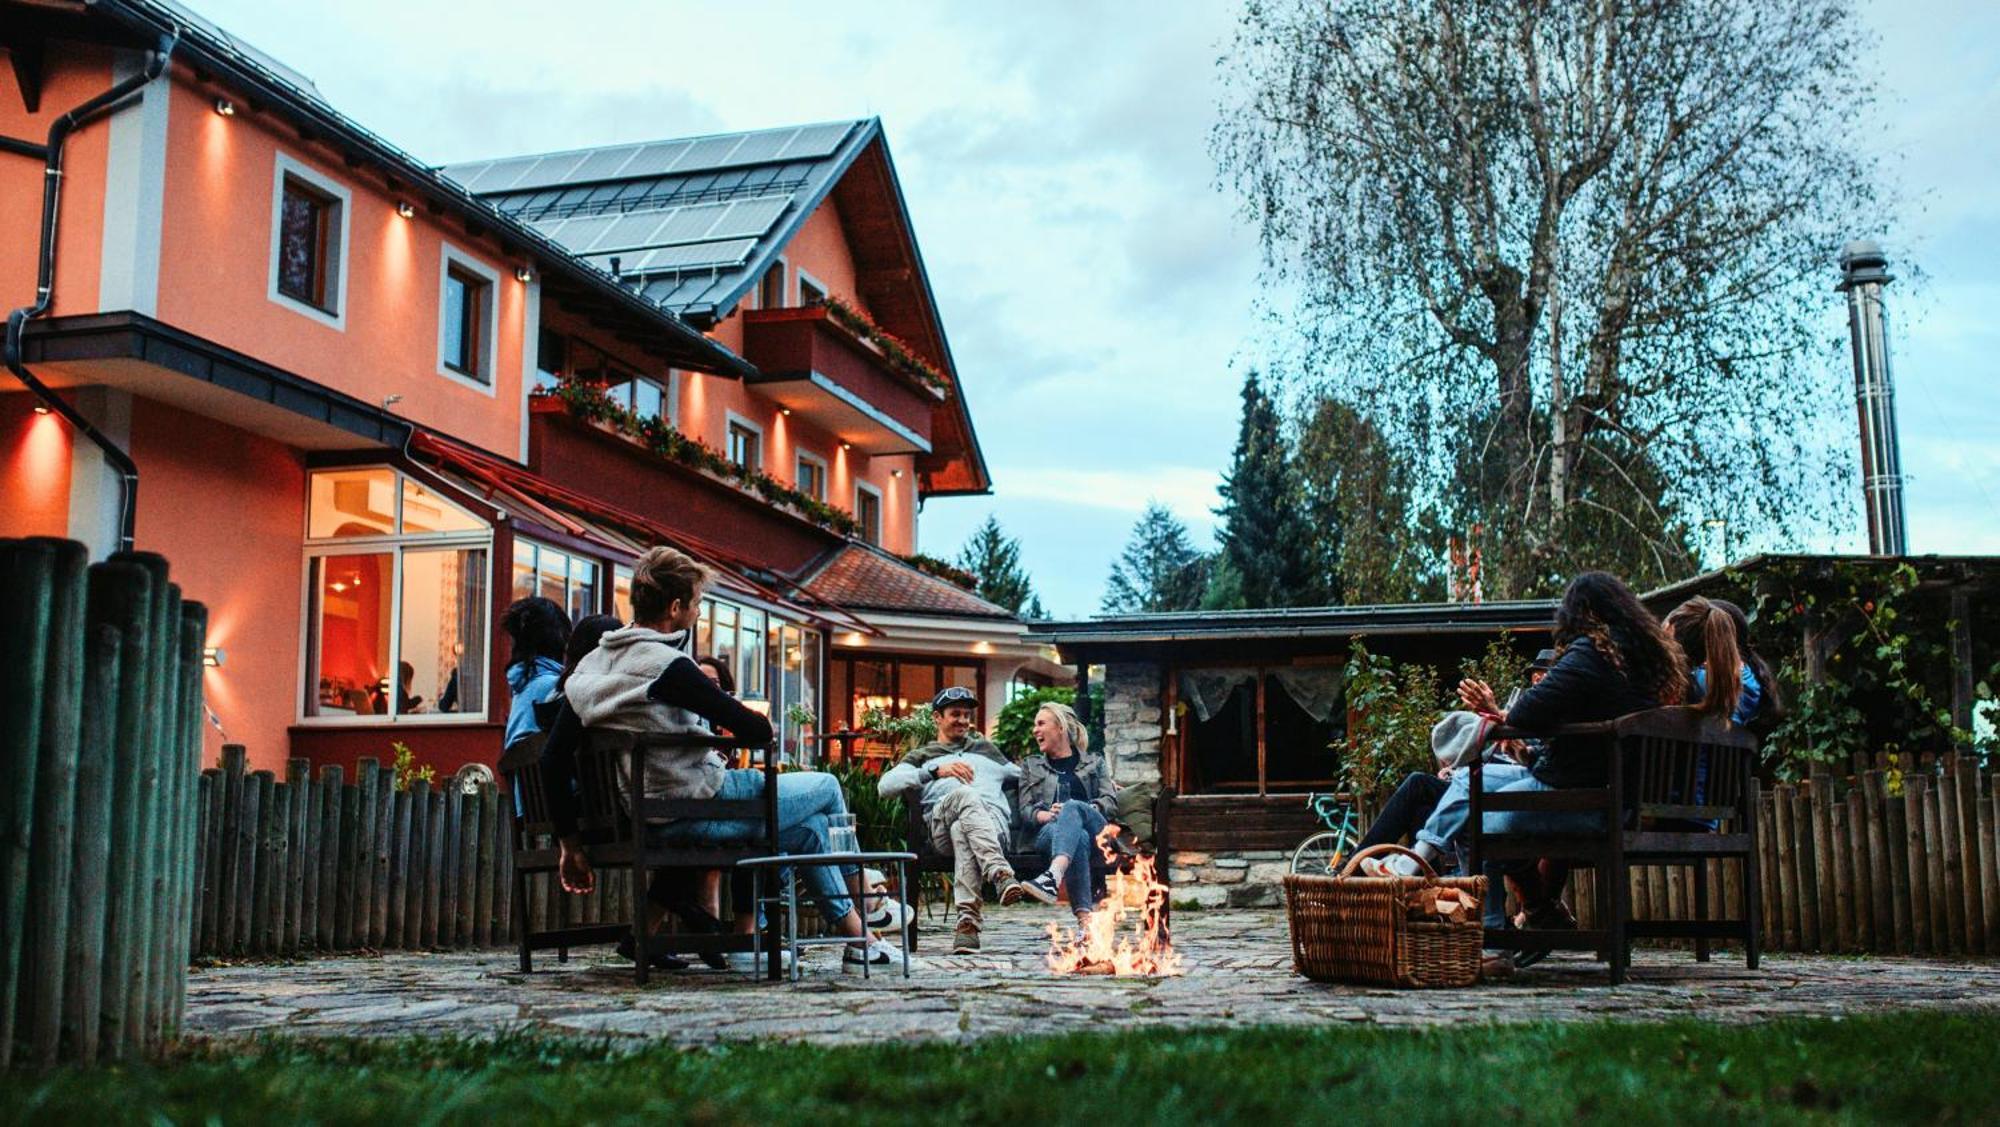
(40, 409)
(523, 274)
(225, 108)
(404, 209)
(213, 656)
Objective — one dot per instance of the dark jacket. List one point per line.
(1582, 688)
(1039, 782)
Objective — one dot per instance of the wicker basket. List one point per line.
(1358, 929)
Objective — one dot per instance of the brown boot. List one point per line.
(965, 937)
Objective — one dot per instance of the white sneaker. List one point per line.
(876, 956)
(754, 964)
(888, 913)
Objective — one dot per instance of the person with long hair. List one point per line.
(1727, 681)
(1615, 658)
(538, 631)
(642, 679)
(1065, 798)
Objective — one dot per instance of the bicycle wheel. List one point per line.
(1323, 853)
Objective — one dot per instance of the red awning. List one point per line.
(618, 531)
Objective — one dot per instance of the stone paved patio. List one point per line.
(1239, 973)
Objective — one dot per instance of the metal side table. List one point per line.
(789, 900)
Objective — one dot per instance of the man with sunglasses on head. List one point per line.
(960, 778)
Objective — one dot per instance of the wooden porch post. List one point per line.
(1961, 660)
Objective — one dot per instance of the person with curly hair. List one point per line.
(1615, 658)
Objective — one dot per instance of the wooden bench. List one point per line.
(1650, 798)
(612, 838)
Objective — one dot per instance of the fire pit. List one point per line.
(1127, 935)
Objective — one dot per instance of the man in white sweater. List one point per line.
(960, 780)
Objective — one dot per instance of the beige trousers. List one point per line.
(966, 828)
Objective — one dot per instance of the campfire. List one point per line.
(1111, 945)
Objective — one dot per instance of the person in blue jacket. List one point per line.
(539, 632)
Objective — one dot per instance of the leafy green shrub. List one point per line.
(407, 769)
(1014, 729)
(905, 733)
(1394, 706)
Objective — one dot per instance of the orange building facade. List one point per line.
(371, 403)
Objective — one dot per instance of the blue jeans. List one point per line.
(1520, 822)
(1447, 822)
(1073, 834)
(806, 799)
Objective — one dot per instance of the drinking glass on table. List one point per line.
(841, 834)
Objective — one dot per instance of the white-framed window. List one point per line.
(771, 289)
(467, 318)
(565, 578)
(551, 359)
(812, 475)
(811, 290)
(746, 442)
(868, 511)
(647, 397)
(309, 220)
(398, 619)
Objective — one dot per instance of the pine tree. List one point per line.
(1367, 532)
(1160, 568)
(994, 558)
(1264, 534)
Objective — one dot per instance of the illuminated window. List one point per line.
(397, 612)
(569, 581)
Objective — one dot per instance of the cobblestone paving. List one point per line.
(1239, 973)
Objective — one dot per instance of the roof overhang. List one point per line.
(821, 400)
(1305, 623)
(146, 357)
(929, 633)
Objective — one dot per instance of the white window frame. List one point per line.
(672, 390)
(784, 286)
(489, 319)
(732, 419)
(861, 487)
(284, 166)
(800, 454)
(806, 279)
(395, 545)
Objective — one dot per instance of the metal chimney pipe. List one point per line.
(1863, 274)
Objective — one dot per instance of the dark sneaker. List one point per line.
(965, 938)
(628, 951)
(1042, 888)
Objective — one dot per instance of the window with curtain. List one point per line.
(1261, 730)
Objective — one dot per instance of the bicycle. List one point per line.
(1322, 853)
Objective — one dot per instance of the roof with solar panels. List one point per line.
(691, 224)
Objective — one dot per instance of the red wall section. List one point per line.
(74, 74)
(34, 469)
(215, 277)
(227, 509)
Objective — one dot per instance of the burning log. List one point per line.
(1106, 944)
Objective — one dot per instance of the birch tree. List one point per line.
(1570, 257)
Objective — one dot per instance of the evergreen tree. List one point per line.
(1160, 569)
(1367, 533)
(1225, 585)
(994, 558)
(1264, 534)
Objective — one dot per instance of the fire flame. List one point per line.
(1106, 944)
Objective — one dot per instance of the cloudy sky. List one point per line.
(1097, 287)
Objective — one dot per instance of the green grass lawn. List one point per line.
(1903, 1067)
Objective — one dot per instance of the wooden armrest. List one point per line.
(1596, 728)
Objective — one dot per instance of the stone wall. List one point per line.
(1250, 878)
(1132, 721)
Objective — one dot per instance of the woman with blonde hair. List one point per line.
(1065, 800)
(642, 678)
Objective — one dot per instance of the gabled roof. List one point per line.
(695, 222)
(861, 577)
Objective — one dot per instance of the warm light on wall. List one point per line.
(853, 638)
(405, 209)
(225, 107)
(982, 647)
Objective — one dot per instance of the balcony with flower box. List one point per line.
(829, 367)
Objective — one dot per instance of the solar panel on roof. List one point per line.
(581, 234)
(708, 153)
(816, 141)
(729, 252)
(750, 217)
(656, 158)
(686, 224)
(762, 146)
(604, 164)
(551, 170)
(636, 230)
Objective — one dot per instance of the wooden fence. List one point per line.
(292, 865)
(1880, 861)
(100, 738)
